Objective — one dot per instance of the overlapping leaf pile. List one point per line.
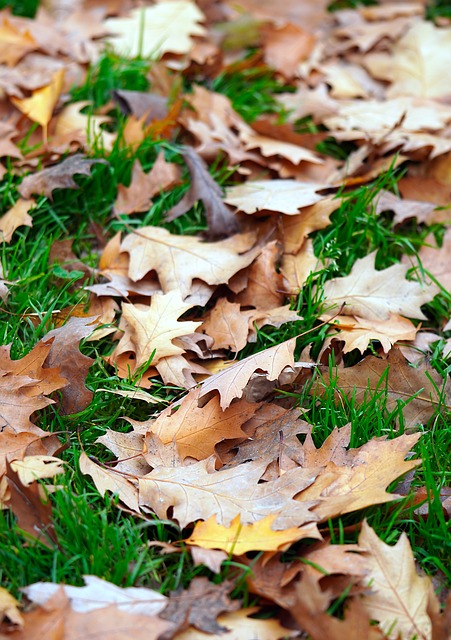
(232, 465)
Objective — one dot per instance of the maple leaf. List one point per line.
(239, 539)
(194, 494)
(179, 259)
(398, 596)
(165, 27)
(196, 430)
(364, 292)
(57, 177)
(16, 217)
(416, 387)
(283, 196)
(221, 222)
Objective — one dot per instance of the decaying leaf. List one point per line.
(59, 176)
(17, 216)
(283, 196)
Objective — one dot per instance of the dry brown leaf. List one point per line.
(109, 480)
(295, 229)
(15, 42)
(364, 292)
(403, 382)
(357, 478)
(150, 330)
(74, 126)
(199, 606)
(31, 468)
(40, 105)
(264, 289)
(398, 596)
(227, 325)
(60, 176)
(194, 494)
(240, 626)
(166, 27)
(197, 430)
(282, 196)
(221, 222)
(286, 46)
(230, 382)
(178, 260)
(16, 217)
(436, 260)
(9, 608)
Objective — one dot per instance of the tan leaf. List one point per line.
(180, 259)
(194, 494)
(60, 176)
(436, 260)
(297, 268)
(403, 382)
(398, 596)
(110, 480)
(165, 27)
(230, 382)
(196, 430)
(9, 608)
(73, 125)
(357, 333)
(14, 42)
(153, 328)
(16, 217)
(364, 292)
(35, 467)
(286, 46)
(39, 107)
(227, 326)
(283, 196)
(264, 288)
(357, 478)
(296, 228)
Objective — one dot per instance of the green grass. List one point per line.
(94, 535)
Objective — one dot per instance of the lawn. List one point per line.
(345, 281)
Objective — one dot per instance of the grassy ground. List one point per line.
(94, 536)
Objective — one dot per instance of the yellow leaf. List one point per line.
(36, 467)
(241, 538)
(9, 608)
(39, 107)
(17, 216)
(14, 44)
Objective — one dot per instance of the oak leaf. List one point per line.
(197, 430)
(283, 196)
(398, 596)
(240, 626)
(227, 325)
(153, 328)
(199, 606)
(416, 388)
(40, 105)
(15, 43)
(178, 260)
(264, 288)
(436, 260)
(31, 468)
(60, 176)
(230, 382)
(16, 217)
(364, 292)
(167, 27)
(239, 538)
(221, 222)
(108, 480)
(194, 494)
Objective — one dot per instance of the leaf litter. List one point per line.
(232, 462)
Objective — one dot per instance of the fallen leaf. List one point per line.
(230, 382)
(240, 626)
(179, 259)
(74, 365)
(398, 596)
(31, 468)
(110, 480)
(16, 217)
(15, 43)
(166, 27)
(39, 107)
(239, 538)
(9, 608)
(199, 606)
(60, 176)
(364, 292)
(97, 594)
(283, 196)
(403, 382)
(221, 222)
(436, 260)
(196, 430)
